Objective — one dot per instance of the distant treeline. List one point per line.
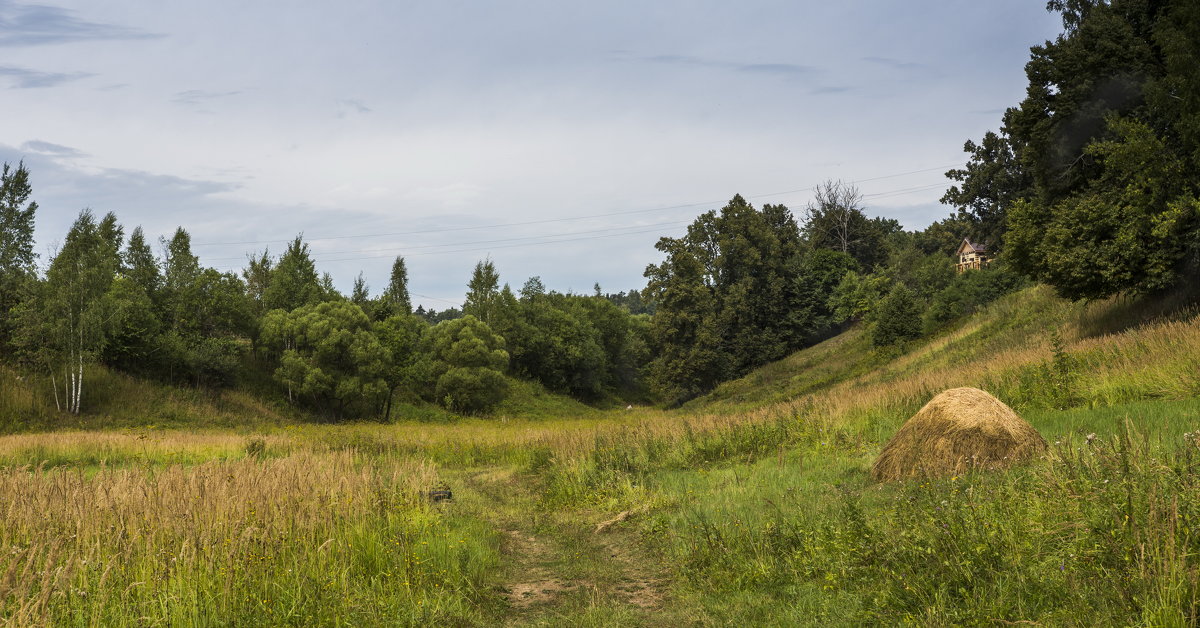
(1090, 185)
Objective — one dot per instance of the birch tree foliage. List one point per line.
(77, 313)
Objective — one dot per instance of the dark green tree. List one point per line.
(395, 298)
(409, 366)
(898, 318)
(991, 182)
(17, 258)
(683, 335)
(140, 265)
(293, 280)
(360, 295)
(1126, 231)
(257, 275)
(469, 361)
(328, 356)
(1110, 148)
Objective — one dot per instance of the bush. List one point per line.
(898, 318)
(471, 390)
(468, 364)
(968, 292)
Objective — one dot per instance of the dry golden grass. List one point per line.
(88, 545)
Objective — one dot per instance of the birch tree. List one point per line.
(77, 313)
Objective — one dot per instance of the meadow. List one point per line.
(749, 506)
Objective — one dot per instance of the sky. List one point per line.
(558, 138)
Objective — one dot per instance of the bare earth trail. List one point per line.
(558, 570)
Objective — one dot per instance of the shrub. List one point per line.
(471, 390)
(899, 318)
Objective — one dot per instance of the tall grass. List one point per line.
(330, 539)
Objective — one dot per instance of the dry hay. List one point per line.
(958, 430)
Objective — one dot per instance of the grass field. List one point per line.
(751, 506)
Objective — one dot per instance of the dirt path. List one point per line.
(559, 567)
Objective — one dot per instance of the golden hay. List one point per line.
(958, 430)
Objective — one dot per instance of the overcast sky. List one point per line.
(559, 138)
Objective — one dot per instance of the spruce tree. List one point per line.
(395, 297)
(140, 265)
(898, 318)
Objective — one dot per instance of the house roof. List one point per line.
(968, 246)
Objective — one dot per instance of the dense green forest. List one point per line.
(1089, 185)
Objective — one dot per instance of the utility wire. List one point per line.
(673, 223)
(554, 220)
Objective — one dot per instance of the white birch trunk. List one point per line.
(69, 382)
(54, 387)
(79, 386)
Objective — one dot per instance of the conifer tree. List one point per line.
(140, 265)
(395, 297)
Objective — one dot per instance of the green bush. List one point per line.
(471, 390)
(968, 292)
(898, 318)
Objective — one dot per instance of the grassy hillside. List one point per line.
(751, 506)
(774, 520)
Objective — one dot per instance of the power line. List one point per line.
(555, 220)
(587, 235)
(434, 246)
(425, 296)
(489, 248)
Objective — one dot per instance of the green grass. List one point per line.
(805, 538)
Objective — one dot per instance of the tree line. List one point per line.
(107, 299)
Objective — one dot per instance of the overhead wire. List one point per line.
(555, 220)
(558, 238)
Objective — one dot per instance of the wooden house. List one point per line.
(971, 255)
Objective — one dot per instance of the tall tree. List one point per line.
(533, 288)
(836, 221)
(16, 241)
(991, 182)
(257, 275)
(140, 265)
(395, 296)
(180, 269)
(75, 317)
(482, 291)
(1110, 151)
(294, 281)
(684, 335)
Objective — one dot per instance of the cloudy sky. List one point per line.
(559, 138)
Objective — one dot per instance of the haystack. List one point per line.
(958, 430)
